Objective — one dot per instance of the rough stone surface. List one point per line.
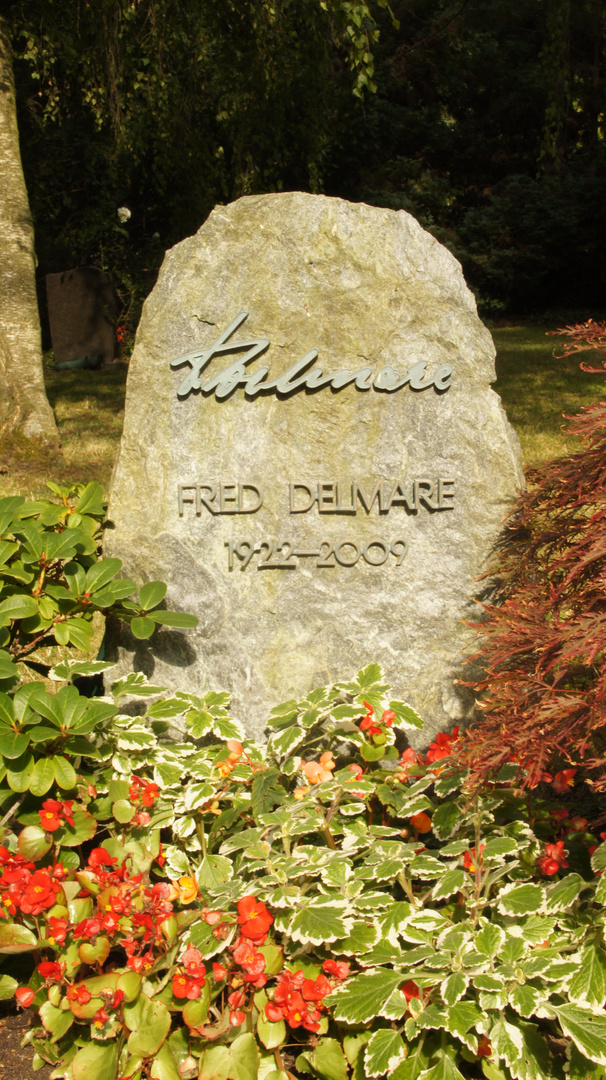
(82, 311)
(366, 287)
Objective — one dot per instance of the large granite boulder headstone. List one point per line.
(312, 458)
(82, 313)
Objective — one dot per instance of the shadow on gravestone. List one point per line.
(82, 313)
(313, 458)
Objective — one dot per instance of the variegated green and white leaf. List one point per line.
(587, 1031)
(525, 999)
(319, 922)
(385, 1050)
(588, 984)
(521, 899)
(453, 988)
(564, 892)
(362, 998)
(453, 881)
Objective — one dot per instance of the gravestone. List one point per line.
(312, 458)
(82, 313)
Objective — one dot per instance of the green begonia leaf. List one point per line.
(96, 1061)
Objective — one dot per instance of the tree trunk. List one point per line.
(23, 402)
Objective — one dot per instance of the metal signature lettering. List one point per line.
(298, 377)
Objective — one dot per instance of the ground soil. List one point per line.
(15, 1063)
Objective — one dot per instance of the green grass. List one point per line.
(538, 390)
(89, 409)
(535, 387)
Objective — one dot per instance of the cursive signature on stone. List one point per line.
(298, 377)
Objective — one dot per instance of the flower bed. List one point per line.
(332, 904)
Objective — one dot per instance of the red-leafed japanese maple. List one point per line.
(544, 640)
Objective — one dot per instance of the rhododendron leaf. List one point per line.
(20, 772)
(385, 1050)
(149, 1024)
(8, 670)
(83, 829)
(123, 811)
(142, 627)
(179, 619)
(65, 774)
(588, 984)
(32, 843)
(362, 997)
(18, 606)
(43, 776)
(213, 871)
(151, 594)
(56, 1021)
(16, 939)
(520, 899)
(13, 743)
(563, 893)
(215, 1063)
(96, 1061)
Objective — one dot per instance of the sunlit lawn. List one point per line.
(536, 389)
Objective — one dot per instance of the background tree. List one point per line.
(487, 124)
(23, 403)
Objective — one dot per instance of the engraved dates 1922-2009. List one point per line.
(286, 556)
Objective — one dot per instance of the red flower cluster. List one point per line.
(254, 919)
(144, 790)
(375, 727)
(24, 888)
(188, 983)
(298, 1000)
(55, 814)
(443, 745)
(563, 780)
(553, 859)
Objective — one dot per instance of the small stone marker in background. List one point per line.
(312, 457)
(82, 312)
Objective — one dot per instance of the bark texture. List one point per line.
(23, 402)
